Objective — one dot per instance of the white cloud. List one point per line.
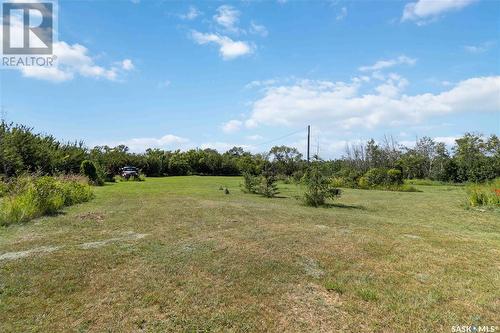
(227, 17)
(232, 126)
(228, 48)
(341, 105)
(342, 14)
(71, 60)
(383, 64)
(258, 29)
(447, 140)
(191, 14)
(127, 65)
(480, 48)
(424, 11)
(168, 141)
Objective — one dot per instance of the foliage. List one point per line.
(32, 196)
(268, 186)
(89, 170)
(250, 183)
(318, 186)
(474, 158)
(487, 194)
(394, 177)
(3, 189)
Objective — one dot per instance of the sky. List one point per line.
(218, 74)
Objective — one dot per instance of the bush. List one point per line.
(31, 197)
(363, 183)
(250, 183)
(487, 194)
(318, 186)
(88, 169)
(375, 177)
(3, 189)
(394, 177)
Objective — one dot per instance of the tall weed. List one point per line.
(30, 197)
(486, 195)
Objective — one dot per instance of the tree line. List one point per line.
(473, 158)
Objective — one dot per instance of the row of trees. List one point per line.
(473, 158)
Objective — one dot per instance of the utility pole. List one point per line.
(308, 141)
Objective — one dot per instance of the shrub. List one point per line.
(394, 177)
(375, 177)
(487, 194)
(347, 178)
(31, 197)
(297, 176)
(363, 183)
(3, 188)
(250, 183)
(318, 186)
(88, 169)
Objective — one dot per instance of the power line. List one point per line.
(277, 139)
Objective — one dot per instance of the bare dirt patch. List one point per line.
(27, 253)
(91, 216)
(129, 236)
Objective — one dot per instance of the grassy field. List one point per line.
(177, 254)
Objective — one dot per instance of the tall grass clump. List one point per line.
(484, 195)
(30, 197)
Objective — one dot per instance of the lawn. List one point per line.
(177, 254)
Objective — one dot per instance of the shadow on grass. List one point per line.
(341, 205)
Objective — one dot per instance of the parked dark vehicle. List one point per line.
(128, 172)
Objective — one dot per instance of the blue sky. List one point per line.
(218, 74)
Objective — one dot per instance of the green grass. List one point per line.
(371, 261)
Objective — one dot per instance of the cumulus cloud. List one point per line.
(383, 64)
(227, 17)
(228, 48)
(342, 105)
(232, 126)
(424, 11)
(72, 60)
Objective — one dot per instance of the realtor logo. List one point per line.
(28, 28)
